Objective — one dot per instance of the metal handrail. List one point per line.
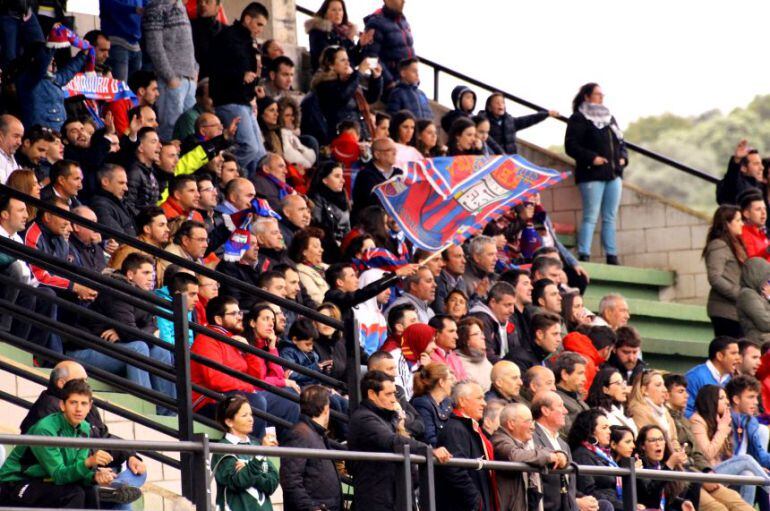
(440, 68)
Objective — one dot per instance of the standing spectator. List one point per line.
(11, 133)
(626, 356)
(20, 28)
(378, 170)
(331, 207)
(432, 398)
(144, 84)
(506, 382)
(646, 405)
(570, 372)
(725, 254)
(595, 141)
(281, 77)
(464, 488)
(753, 305)
(609, 393)
(385, 362)
(185, 125)
(122, 23)
(390, 40)
(234, 78)
(85, 244)
(724, 358)
(406, 94)
(378, 425)
(330, 27)
(311, 483)
(143, 187)
(472, 351)
(503, 126)
(464, 101)
(494, 314)
(345, 290)
(420, 291)
(108, 202)
(169, 44)
(204, 29)
(744, 172)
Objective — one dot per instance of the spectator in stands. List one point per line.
(490, 421)
(406, 94)
(420, 291)
(388, 36)
(609, 393)
(122, 23)
(25, 181)
(237, 196)
(479, 272)
(625, 357)
(471, 350)
(653, 447)
(462, 140)
(85, 244)
(33, 150)
(331, 345)
(613, 311)
(384, 362)
(169, 44)
(143, 187)
(331, 207)
(573, 312)
(506, 382)
(751, 358)
(66, 181)
(753, 307)
(233, 80)
(243, 481)
(522, 310)
(299, 150)
(546, 340)
(399, 319)
(306, 251)
(89, 149)
(178, 282)
(724, 357)
(747, 433)
(676, 386)
(281, 77)
(311, 483)
(725, 255)
(270, 180)
(594, 344)
(646, 404)
(595, 140)
(546, 297)
(295, 213)
(744, 173)
(432, 392)
(185, 124)
(402, 124)
(378, 170)
(190, 242)
(20, 29)
(464, 102)
(570, 372)
(754, 213)
(245, 270)
(204, 29)
(152, 227)
(535, 380)
(463, 488)
(183, 199)
(144, 84)
(270, 241)
(340, 98)
(446, 344)
(488, 145)
(346, 292)
(503, 126)
(451, 277)
(330, 27)
(426, 139)
(108, 202)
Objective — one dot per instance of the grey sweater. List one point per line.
(168, 39)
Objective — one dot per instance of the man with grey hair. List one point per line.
(108, 201)
(570, 372)
(420, 292)
(11, 134)
(378, 170)
(521, 491)
(85, 243)
(494, 315)
(535, 380)
(480, 270)
(270, 240)
(270, 180)
(295, 213)
(490, 421)
(613, 311)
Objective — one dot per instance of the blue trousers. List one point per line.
(599, 197)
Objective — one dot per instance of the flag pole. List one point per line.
(434, 255)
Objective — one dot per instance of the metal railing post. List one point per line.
(202, 475)
(184, 391)
(353, 349)
(428, 482)
(435, 84)
(407, 479)
(629, 486)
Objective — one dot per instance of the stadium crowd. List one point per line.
(483, 351)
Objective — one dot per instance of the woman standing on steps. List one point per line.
(595, 141)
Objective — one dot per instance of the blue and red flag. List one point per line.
(443, 201)
(381, 258)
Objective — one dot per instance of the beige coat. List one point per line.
(643, 414)
(315, 283)
(716, 448)
(724, 275)
(512, 486)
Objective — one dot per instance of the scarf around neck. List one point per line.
(600, 116)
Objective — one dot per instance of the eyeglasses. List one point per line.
(656, 439)
(622, 383)
(237, 314)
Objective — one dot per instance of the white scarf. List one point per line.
(600, 116)
(660, 415)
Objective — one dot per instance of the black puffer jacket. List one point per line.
(452, 115)
(113, 213)
(234, 55)
(322, 33)
(600, 487)
(337, 100)
(503, 129)
(583, 141)
(143, 188)
(309, 483)
(334, 221)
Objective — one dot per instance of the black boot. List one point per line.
(584, 258)
(613, 260)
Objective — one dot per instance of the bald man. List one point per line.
(295, 212)
(11, 133)
(537, 379)
(48, 402)
(378, 170)
(506, 382)
(238, 194)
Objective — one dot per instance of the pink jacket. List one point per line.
(451, 360)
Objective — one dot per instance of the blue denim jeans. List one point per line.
(599, 197)
(172, 103)
(14, 31)
(163, 385)
(125, 478)
(113, 365)
(249, 147)
(745, 465)
(124, 62)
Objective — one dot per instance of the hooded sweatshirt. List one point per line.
(450, 117)
(373, 327)
(582, 345)
(753, 306)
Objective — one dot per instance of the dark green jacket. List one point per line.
(248, 489)
(60, 465)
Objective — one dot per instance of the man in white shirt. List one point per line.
(11, 133)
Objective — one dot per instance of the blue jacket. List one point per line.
(40, 93)
(289, 351)
(434, 416)
(409, 97)
(755, 448)
(697, 378)
(392, 42)
(166, 326)
(120, 19)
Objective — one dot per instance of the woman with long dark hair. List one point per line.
(331, 206)
(595, 141)
(652, 445)
(725, 254)
(330, 27)
(622, 445)
(609, 393)
(462, 138)
(573, 311)
(426, 139)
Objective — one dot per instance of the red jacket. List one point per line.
(755, 239)
(763, 375)
(582, 345)
(173, 209)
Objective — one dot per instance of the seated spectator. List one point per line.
(144, 84)
(546, 340)
(399, 319)
(245, 270)
(280, 72)
(456, 305)
(494, 314)
(378, 170)
(330, 27)
(66, 182)
(179, 282)
(205, 28)
(267, 118)
(331, 206)
(402, 124)
(462, 140)
(152, 226)
(306, 251)
(62, 477)
(89, 150)
(464, 102)
(384, 362)
(622, 446)
(295, 216)
(236, 487)
(747, 433)
(465, 488)
(506, 382)
(351, 294)
(724, 358)
(626, 355)
(406, 94)
(594, 344)
(523, 307)
(751, 358)
(488, 145)
(535, 380)
(503, 126)
(573, 311)
(190, 242)
(513, 441)
(490, 421)
(183, 199)
(420, 291)
(744, 172)
(270, 241)
(426, 139)
(589, 440)
(646, 405)
(432, 398)
(85, 244)
(546, 297)
(446, 345)
(337, 87)
(11, 134)
(299, 150)
(570, 372)
(609, 394)
(378, 425)
(143, 187)
(186, 124)
(270, 180)
(753, 307)
(237, 195)
(332, 356)
(754, 213)
(676, 402)
(480, 270)
(652, 446)
(25, 181)
(311, 483)
(34, 149)
(271, 50)
(712, 430)
(109, 203)
(613, 311)
(725, 256)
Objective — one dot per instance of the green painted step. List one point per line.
(629, 275)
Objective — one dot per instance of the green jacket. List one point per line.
(60, 465)
(248, 489)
